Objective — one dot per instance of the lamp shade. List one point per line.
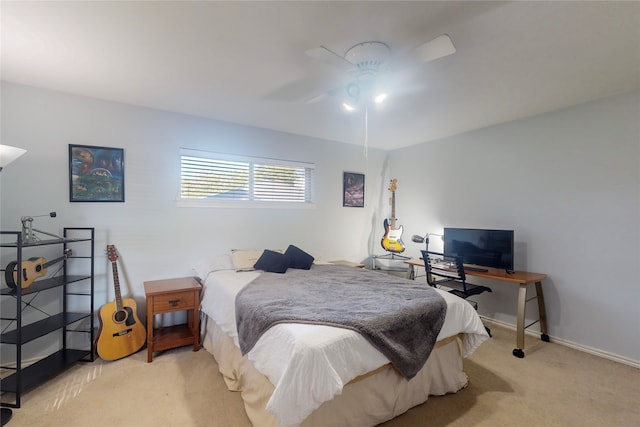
(8, 154)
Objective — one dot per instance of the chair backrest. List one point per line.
(442, 268)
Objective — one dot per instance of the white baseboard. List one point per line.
(571, 344)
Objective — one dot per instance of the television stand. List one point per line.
(390, 256)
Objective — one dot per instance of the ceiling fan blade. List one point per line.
(306, 89)
(317, 98)
(294, 91)
(439, 47)
(433, 49)
(326, 55)
(334, 91)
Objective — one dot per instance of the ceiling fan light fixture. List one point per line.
(380, 97)
(348, 106)
(353, 90)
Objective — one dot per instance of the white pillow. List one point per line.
(214, 263)
(245, 259)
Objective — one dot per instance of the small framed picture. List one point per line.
(96, 174)
(353, 190)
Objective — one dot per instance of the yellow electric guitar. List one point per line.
(392, 240)
(31, 269)
(121, 332)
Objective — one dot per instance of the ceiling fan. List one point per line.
(366, 67)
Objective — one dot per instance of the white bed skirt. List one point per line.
(366, 401)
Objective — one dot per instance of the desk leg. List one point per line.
(522, 302)
(542, 313)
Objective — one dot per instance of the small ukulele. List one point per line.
(392, 240)
(31, 269)
(121, 333)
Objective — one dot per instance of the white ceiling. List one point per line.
(226, 60)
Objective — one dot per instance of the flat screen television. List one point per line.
(485, 248)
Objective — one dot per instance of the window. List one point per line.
(214, 177)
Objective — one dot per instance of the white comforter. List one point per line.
(310, 364)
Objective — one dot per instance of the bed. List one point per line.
(300, 374)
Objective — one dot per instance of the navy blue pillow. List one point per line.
(298, 258)
(271, 261)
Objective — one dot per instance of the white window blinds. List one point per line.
(215, 176)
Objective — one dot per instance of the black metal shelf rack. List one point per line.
(17, 332)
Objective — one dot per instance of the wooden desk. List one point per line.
(167, 296)
(523, 279)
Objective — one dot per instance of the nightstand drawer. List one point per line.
(174, 301)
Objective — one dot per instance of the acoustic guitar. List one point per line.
(121, 333)
(31, 269)
(392, 240)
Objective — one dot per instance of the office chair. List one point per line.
(448, 270)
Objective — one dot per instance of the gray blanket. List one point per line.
(400, 317)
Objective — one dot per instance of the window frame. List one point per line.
(251, 161)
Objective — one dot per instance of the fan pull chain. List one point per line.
(366, 132)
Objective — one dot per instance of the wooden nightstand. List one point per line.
(167, 296)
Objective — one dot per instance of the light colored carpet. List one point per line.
(552, 386)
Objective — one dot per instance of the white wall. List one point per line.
(155, 238)
(568, 183)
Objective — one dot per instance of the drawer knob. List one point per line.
(174, 302)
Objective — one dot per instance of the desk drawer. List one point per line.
(173, 302)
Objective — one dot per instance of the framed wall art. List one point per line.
(96, 174)
(353, 190)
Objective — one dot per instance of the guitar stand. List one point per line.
(389, 256)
